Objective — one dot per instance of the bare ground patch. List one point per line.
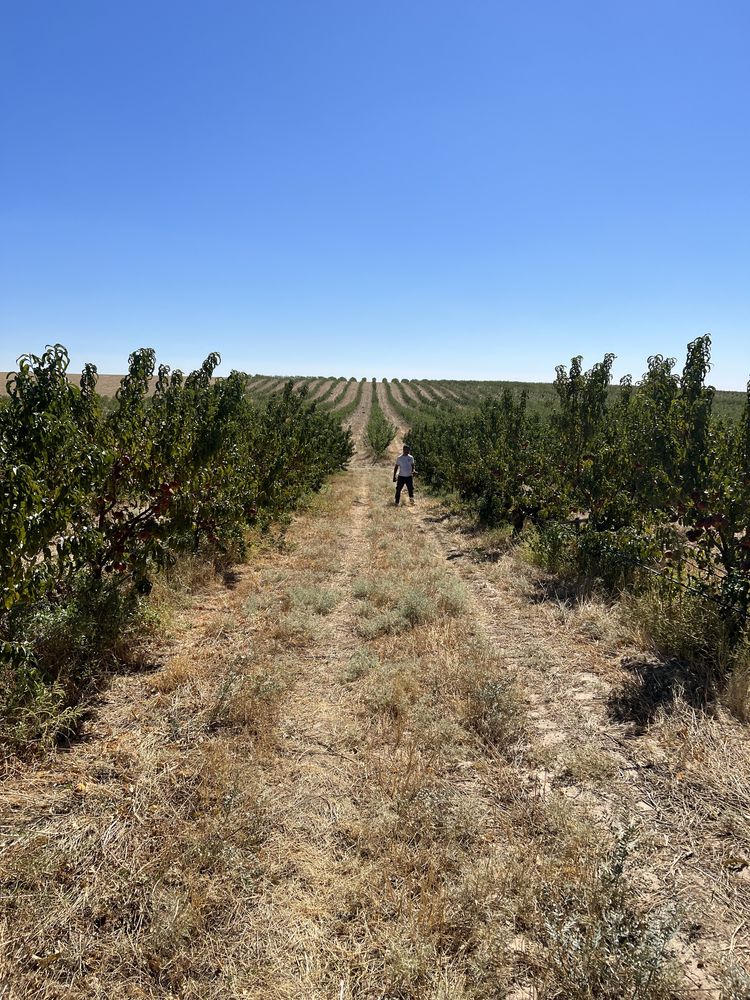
(348, 396)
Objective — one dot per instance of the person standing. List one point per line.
(403, 475)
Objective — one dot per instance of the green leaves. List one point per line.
(616, 481)
(116, 494)
(379, 431)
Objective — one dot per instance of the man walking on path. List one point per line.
(403, 475)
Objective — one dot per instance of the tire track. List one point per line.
(568, 685)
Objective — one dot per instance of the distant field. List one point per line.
(107, 384)
(412, 394)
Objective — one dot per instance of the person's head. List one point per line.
(406, 449)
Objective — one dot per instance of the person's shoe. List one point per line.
(411, 503)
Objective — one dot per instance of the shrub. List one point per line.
(493, 710)
(597, 943)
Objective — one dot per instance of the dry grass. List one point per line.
(623, 731)
(470, 867)
(493, 710)
(174, 588)
(135, 858)
(294, 629)
(737, 691)
(320, 600)
(687, 628)
(588, 763)
(711, 760)
(403, 597)
(178, 671)
(301, 806)
(131, 884)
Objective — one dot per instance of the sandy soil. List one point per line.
(429, 390)
(404, 398)
(319, 387)
(442, 392)
(357, 423)
(351, 392)
(406, 394)
(395, 419)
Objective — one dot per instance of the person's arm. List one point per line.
(395, 471)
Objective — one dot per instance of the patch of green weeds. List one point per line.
(361, 663)
(318, 599)
(494, 711)
(598, 943)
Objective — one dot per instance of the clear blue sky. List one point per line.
(412, 188)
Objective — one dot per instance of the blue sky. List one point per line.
(410, 189)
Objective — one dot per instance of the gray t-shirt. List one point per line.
(405, 465)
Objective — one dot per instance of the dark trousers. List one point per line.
(408, 482)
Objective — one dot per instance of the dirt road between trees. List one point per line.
(392, 415)
(348, 396)
(320, 388)
(357, 423)
(382, 759)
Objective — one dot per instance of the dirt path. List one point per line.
(336, 399)
(320, 387)
(392, 415)
(272, 384)
(357, 423)
(428, 391)
(374, 763)
(398, 391)
(315, 788)
(407, 394)
(255, 386)
(443, 392)
(348, 396)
